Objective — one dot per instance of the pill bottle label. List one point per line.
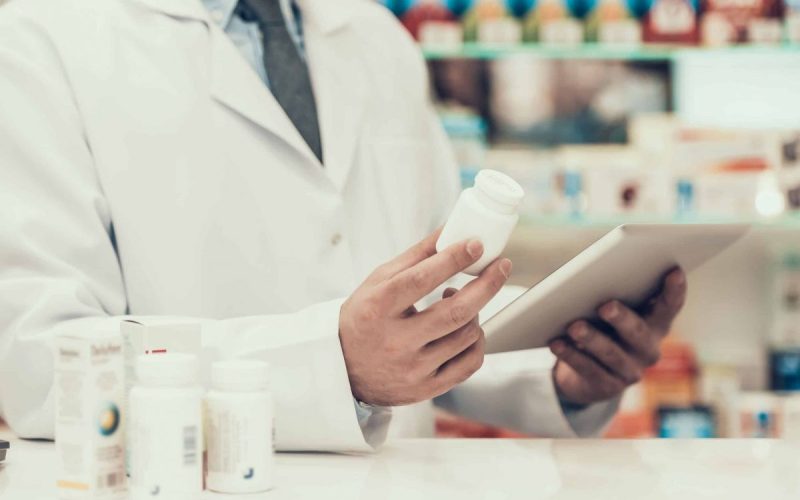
(240, 444)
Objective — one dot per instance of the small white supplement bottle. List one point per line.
(488, 211)
(166, 425)
(239, 427)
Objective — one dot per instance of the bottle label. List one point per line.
(240, 445)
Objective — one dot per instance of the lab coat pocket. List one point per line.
(404, 182)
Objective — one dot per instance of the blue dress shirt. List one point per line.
(247, 36)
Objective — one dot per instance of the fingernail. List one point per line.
(505, 267)
(678, 278)
(577, 331)
(557, 347)
(609, 311)
(475, 248)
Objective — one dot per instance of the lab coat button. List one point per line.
(336, 239)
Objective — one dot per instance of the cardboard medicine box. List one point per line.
(89, 393)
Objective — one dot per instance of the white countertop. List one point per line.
(497, 469)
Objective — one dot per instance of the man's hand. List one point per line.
(396, 355)
(598, 362)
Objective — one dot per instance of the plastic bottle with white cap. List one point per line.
(166, 425)
(239, 420)
(488, 211)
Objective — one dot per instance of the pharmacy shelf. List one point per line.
(790, 222)
(594, 51)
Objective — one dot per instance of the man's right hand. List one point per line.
(396, 355)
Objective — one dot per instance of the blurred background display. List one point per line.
(615, 111)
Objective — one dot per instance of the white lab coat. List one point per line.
(145, 169)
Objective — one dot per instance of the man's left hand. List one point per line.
(598, 362)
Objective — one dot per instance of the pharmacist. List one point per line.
(162, 158)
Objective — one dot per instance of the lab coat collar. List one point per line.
(339, 84)
(327, 15)
(185, 9)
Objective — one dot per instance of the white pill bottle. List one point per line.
(166, 425)
(488, 211)
(239, 428)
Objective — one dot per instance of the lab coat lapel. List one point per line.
(340, 85)
(235, 84)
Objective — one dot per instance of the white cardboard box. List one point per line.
(156, 335)
(90, 438)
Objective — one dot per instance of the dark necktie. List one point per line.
(287, 71)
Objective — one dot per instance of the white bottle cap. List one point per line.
(240, 375)
(167, 370)
(501, 191)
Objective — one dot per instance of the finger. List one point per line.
(639, 337)
(602, 348)
(417, 253)
(442, 350)
(598, 381)
(410, 285)
(669, 302)
(460, 368)
(454, 312)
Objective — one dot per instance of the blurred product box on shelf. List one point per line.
(429, 17)
(654, 135)
(672, 21)
(673, 381)
(759, 415)
(614, 22)
(722, 173)
(446, 24)
(441, 35)
(536, 172)
(792, 20)
(667, 172)
(692, 422)
(467, 132)
(790, 416)
(554, 22)
(720, 387)
(726, 22)
(672, 402)
(492, 22)
(633, 419)
(789, 170)
(785, 304)
(784, 369)
(615, 181)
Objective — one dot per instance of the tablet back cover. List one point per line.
(627, 264)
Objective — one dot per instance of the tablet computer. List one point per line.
(627, 264)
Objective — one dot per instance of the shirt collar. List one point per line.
(221, 11)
